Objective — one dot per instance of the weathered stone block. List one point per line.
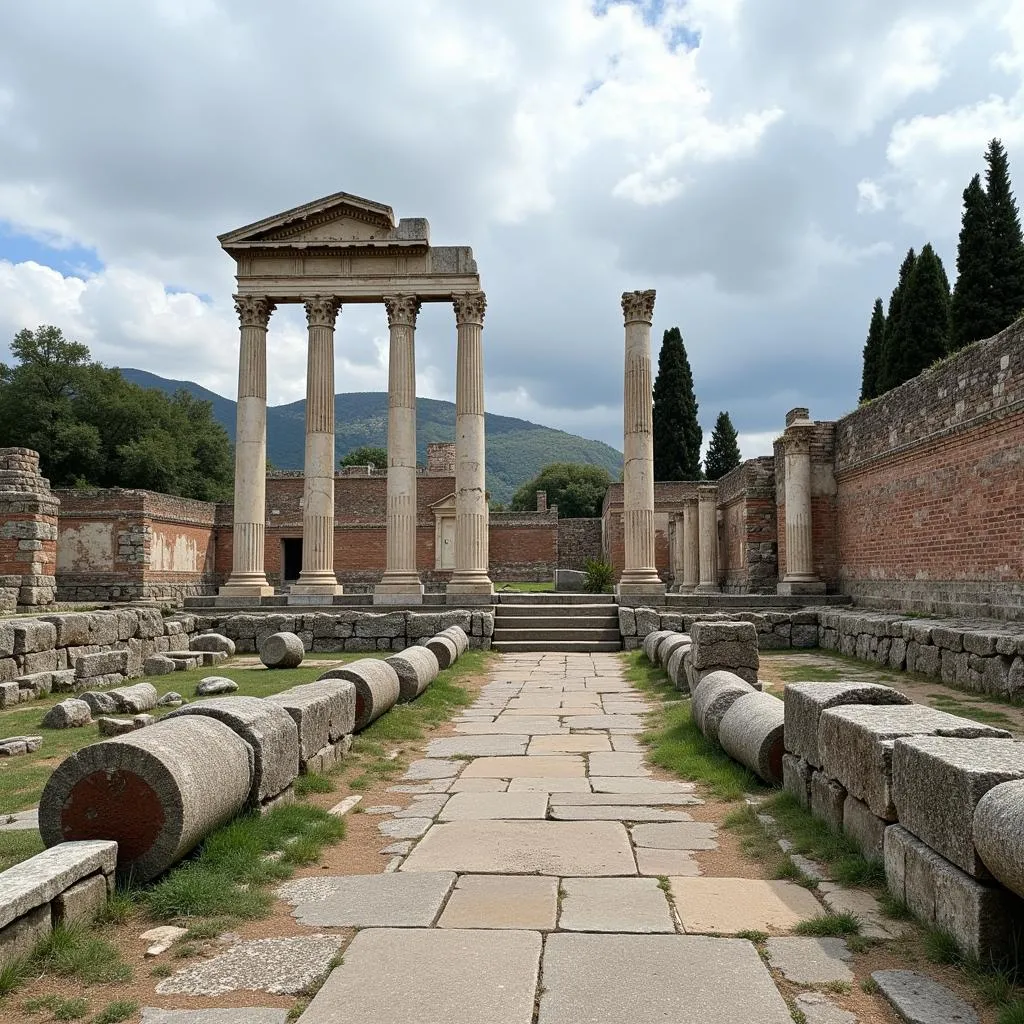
(864, 828)
(132, 700)
(856, 744)
(391, 624)
(751, 732)
(804, 636)
(40, 661)
(158, 665)
(986, 921)
(34, 635)
(828, 799)
(323, 713)
(627, 621)
(282, 650)
(216, 642)
(724, 645)
(937, 784)
(998, 836)
(81, 902)
(806, 701)
(102, 664)
(376, 684)
(796, 778)
(68, 714)
(71, 628)
(647, 621)
(18, 938)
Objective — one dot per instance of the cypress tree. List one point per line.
(972, 315)
(925, 318)
(873, 353)
(893, 340)
(677, 434)
(724, 450)
(1006, 244)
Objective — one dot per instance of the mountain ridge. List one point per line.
(516, 449)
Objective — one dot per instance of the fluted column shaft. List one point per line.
(317, 578)
(707, 516)
(691, 546)
(248, 578)
(471, 519)
(639, 574)
(800, 577)
(401, 582)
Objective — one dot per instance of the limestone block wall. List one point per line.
(578, 541)
(776, 630)
(28, 531)
(929, 488)
(350, 630)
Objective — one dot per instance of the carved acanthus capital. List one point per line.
(402, 310)
(469, 307)
(322, 310)
(253, 310)
(638, 306)
(797, 438)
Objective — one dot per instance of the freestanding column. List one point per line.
(639, 575)
(800, 576)
(248, 580)
(471, 520)
(707, 514)
(317, 581)
(401, 582)
(691, 546)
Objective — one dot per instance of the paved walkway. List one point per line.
(541, 873)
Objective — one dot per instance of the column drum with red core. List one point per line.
(157, 792)
(377, 687)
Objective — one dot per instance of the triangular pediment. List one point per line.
(336, 218)
(446, 504)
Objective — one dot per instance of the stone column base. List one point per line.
(469, 585)
(707, 588)
(314, 593)
(627, 588)
(252, 591)
(812, 586)
(400, 588)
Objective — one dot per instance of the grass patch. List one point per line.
(676, 743)
(940, 948)
(759, 845)
(312, 783)
(524, 588)
(115, 1012)
(811, 674)
(228, 877)
(18, 846)
(829, 924)
(1012, 1013)
(945, 702)
(74, 952)
(59, 1007)
(894, 907)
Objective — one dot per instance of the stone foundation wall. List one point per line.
(578, 541)
(28, 531)
(523, 546)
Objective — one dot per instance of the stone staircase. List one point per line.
(576, 623)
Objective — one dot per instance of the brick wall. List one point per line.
(930, 504)
(523, 546)
(748, 545)
(578, 540)
(28, 531)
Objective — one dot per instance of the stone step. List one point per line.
(573, 633)
(556, 622)
(556, 646)
(510, 597)
(605, 611)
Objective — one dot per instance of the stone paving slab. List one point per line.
(619, 799)
(610, 812)
(616, 764)
(404, 828)
(368, 901)
(432, 768)
(637, 785)
(919, 1000)
(819, 1009)
(478, 746)
(282, 966)
(553, 766)
(566, 743)
(725, 906)
(684, 835)
(431, 976)
(614, 905)
(627, 744)
(810, 961)
(628, 723)
(863, 906)
(430, 786)
(525, 847)
(426, 806)
(242, 1015)
(666, 863)
(578, 785)
(653, 979)
(503, 726)
(478, 786)
(478, 806)
(502, 901)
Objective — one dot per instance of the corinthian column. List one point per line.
(707, 517)
(691, 546)
(401, 583)
(248, 581)
(800, 576)
(317, 581)
(470, 575)
(639, 575)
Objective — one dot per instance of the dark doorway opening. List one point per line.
(292, 558)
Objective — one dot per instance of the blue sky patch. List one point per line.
(73, 261)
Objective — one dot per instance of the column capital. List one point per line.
(321, 310)
(689, 499)
(254, 310)
(402, 310)
(638, 306)
(469, 307)
(797, 439)
(707, 492)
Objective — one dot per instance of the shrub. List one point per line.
(599, 576)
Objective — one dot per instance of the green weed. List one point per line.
(313, 783)
(59, 1007)
(115, 1012)
(829, 924)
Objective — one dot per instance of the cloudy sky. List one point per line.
(763, 163)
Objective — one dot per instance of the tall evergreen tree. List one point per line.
(924, 333)
(972, 315)
(677, 434)
(1006, 244)
(873, 354)
(724, 450)
(893, 340)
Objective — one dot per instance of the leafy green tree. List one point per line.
(92, 427)
(972, 315)
(1006, 247)
(577, 489)
(677, 434)
(724, 451)
(925, 313)
(893, 340)
(366, 455)
(873, 353)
